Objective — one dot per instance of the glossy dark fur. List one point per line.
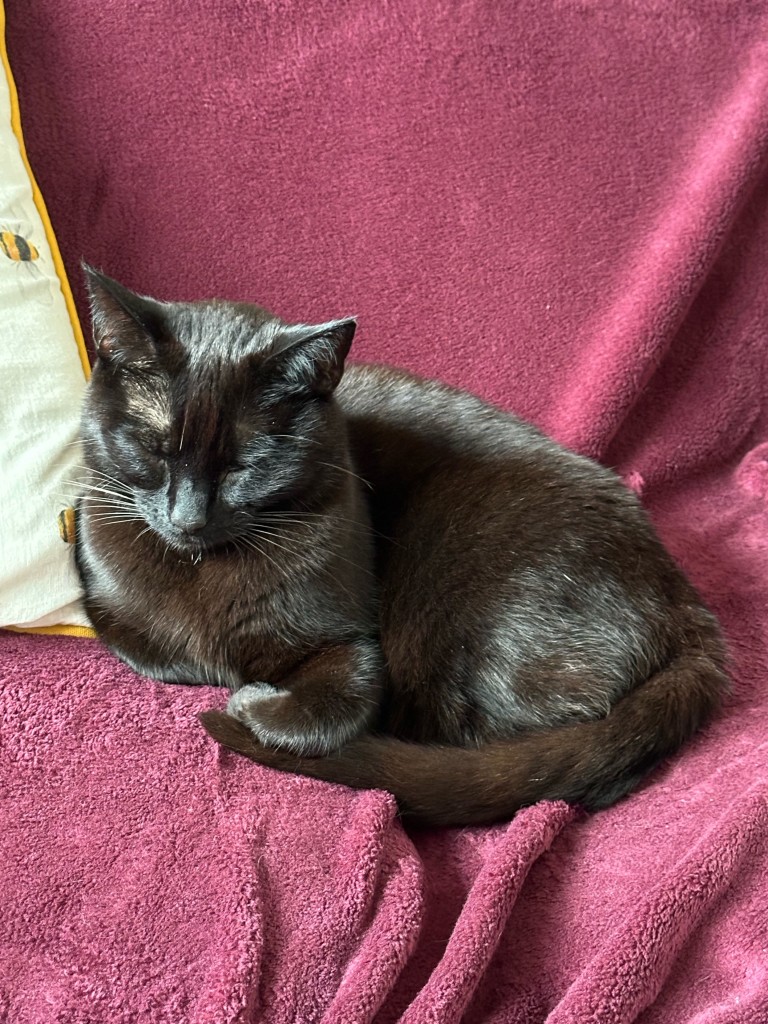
(404, 587)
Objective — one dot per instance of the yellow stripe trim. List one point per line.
(84, 631)
(40, 204)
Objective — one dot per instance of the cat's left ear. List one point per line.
(311, 358)
(126, 326)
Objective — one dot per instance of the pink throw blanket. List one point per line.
(560, 205)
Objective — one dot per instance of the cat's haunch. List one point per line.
(404, 587)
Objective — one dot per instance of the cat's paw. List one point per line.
(278, 719)
(247, 697)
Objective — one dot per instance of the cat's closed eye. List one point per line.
(155, 447)
(231, 473)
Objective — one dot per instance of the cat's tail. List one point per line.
(591, 763)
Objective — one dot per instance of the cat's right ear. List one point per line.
(310, 359)
(126, 326)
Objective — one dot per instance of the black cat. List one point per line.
(404, 587)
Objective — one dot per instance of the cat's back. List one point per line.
(443, 464)
(403, 427)
(391, 400)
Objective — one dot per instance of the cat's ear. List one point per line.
(126, 326)
(310, 359)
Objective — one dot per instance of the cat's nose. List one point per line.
(189, 511)
(188, 521)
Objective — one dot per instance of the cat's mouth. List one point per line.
(188, 547)
(181, 542)
(195, 544)
(188, 544)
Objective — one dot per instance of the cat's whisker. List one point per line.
(241, 553)
(281, 515)
(67, 497)
(114, 510)
(75, 481)
(92, 503)
(107, 499)
(328, 465)
(100, 481)
(331, 517)
(110, 492)
(138, 537)
(297, 437)
(269, 538)
(183, 428)
(115, 515)
(117, 522)
(92, 506)
(250, 543)
(349, 472)
(297, 551)
(94, 515)
(106, 476)
(108, 504)
(104, 485)
(278, 524)
(293, 516)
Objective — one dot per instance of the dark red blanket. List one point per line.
(560, 204)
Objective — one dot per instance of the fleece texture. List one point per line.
(559, 204)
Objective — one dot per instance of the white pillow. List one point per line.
(43, 370)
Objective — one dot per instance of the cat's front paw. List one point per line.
(245, 700)
(278, 719)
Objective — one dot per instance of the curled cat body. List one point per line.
(402, 586)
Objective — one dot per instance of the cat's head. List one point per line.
(206, 415)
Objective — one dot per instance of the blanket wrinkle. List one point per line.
(671, 263)
(387, 940)
(635, 963)
(711, 380)
(752, 471)
(484, 915)
(561, 206)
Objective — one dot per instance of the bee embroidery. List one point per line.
(22, 253)
(17, 247)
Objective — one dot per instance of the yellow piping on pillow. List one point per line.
(85, 631)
